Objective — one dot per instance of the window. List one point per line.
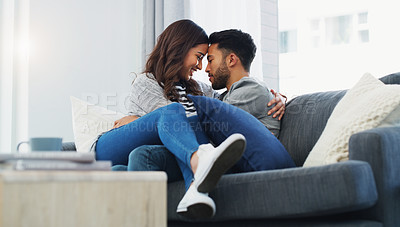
(363, 18)
(336, 43)
(338, 30)
(315, 27)
(363, 30)
(288, 41)
(363, 36)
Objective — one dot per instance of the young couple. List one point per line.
(162, 133)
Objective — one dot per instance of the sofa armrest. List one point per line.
(380, 147)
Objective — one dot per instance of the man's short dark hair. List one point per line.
(238, 42)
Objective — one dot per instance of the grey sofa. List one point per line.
(364, 191)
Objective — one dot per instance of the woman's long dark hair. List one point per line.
(166, 59)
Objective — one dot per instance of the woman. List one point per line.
(168, 71)
(166, 79)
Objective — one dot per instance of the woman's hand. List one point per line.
(124, 121)
(280, 104)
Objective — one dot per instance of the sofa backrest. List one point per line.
(306, 116)
(304, 120)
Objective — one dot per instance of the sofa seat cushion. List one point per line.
(294, 192)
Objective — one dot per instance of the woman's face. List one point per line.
(192, 61)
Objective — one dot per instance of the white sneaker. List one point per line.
(196, 205)
(215, 161)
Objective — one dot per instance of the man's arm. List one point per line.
(252, 97)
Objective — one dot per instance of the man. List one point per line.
(229, 58)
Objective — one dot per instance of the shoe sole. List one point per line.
(229, 157)
(197, 211)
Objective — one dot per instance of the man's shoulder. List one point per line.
(249, 86)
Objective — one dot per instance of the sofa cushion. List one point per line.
(394, 118)
(363, 107)
(220, 120)
(393, 78)
(89, 121)
(68, 146)
(304, 120)
(294, 192)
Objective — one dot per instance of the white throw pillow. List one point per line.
(393, 119)
(89, 121)
(365, 106)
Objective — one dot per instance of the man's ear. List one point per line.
(232, 59)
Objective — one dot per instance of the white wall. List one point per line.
(83, 48)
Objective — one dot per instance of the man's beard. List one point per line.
(221, 77)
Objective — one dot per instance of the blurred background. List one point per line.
(51, 50)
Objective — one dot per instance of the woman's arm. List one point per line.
(146, 95)
(124, 121)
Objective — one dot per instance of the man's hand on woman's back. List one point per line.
(280, 104)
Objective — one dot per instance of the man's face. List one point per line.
(218, 72)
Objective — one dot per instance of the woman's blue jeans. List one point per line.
(167, 125)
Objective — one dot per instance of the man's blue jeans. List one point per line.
(158, 158)
(167, 125)
(155, 158)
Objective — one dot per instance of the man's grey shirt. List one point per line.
(253, 97)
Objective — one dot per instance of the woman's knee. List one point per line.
(174, 107)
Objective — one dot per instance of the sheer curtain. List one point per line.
(14, 64)
(158, 14)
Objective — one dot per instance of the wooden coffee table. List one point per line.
(70, 198)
